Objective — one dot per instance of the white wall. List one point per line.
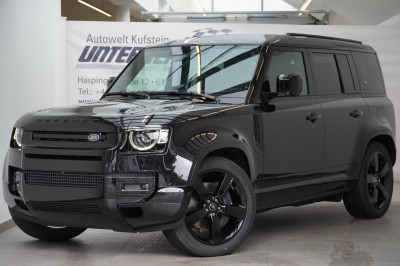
(32, 62)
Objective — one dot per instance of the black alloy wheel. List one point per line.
(217, 208)
(221, 211)
(371, 196)
(377, 175)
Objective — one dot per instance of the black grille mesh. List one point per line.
(65, 207)
(137, 179)
(64, 179)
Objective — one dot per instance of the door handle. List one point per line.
(314, 117)
(356, 113)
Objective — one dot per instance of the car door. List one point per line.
(346, 116)
(293, 135)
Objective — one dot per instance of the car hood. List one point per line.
(114, 116)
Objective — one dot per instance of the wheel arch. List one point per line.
(237, 151)
(388, 142)
(236, 155)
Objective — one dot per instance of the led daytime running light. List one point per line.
(144, 140)
(18, 133)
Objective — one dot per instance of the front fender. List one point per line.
(200, 145)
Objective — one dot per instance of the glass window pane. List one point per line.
(326, 74)
(284, 62)
(345, 73)
(232, 79)
(223, 69)
(153, 74)
(369, 73)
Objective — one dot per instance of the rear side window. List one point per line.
(326, 74)
(369, 73)
(345, 73)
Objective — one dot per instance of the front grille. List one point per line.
(64, 179)
(135, 179)
(64, 157)
(65, 207)
(67, 136)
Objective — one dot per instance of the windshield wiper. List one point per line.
(140, 94)
(192, 95)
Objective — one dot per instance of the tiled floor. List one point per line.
(316, 234)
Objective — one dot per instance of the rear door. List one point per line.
(346, 116)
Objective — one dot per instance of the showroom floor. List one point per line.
(316, 234)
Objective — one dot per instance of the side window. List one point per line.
(345, 73)
(326, 74)
(285, 62)
(369, 72)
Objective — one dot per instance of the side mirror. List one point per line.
(266, 93)
(109, 81)
(289, 85)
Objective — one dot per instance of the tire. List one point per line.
(47, 233)
(371, 197)
(221, 211)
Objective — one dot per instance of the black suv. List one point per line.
(196, 136)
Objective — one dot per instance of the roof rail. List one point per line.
(323, 37)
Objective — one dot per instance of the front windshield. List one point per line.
(218, 70)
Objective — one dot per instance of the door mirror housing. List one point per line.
(289, 85)
(266, 93)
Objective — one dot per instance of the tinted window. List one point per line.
(369, 72)
(220, 70)
(283, 62)
(326, 74)
(345, 73)
(231, 70)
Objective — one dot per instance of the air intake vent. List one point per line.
(135, 185)
(197, 142)
(256, 128)
(64, 179)
(64, 157)
(65, 207)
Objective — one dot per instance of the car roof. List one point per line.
(223, 39)
(290, 39)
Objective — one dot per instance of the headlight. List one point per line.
(145, 140)
(17, 138)
(124, 140)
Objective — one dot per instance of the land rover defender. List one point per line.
(195, 137)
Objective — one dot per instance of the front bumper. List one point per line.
(119, 192)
